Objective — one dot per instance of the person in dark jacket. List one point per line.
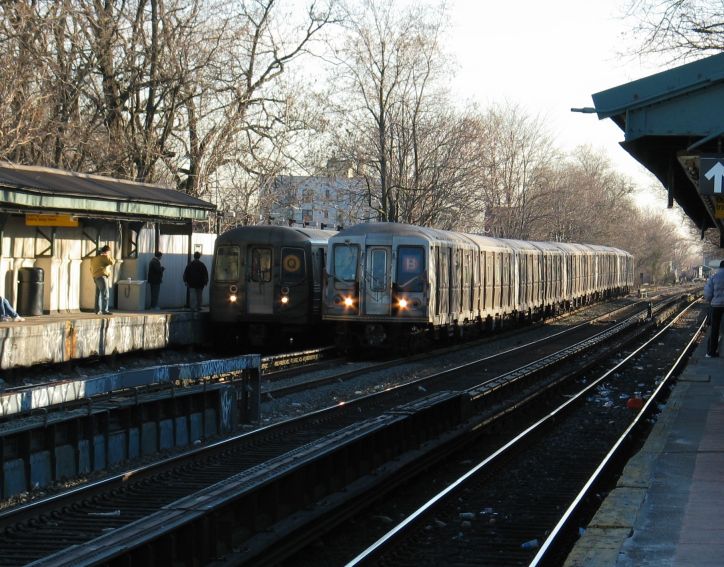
(155, 277)
(714, 294)
(196, 276)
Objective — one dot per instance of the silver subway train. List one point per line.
(389, 283)
(266, 284)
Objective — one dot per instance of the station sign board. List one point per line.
(51, 220)
(719, 208)
(711, 175)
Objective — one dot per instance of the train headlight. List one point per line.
(284, 300)
(232, 298)
(403, 303)
(348, 301)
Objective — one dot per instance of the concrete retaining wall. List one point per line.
(62, 339)
(76, 443)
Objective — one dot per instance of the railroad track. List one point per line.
(158, 497)
(525, 501)
(273, 368)
(274, 389)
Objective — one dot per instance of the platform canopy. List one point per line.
(25, 189)
(673, 124)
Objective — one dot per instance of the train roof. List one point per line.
(401, 229)
(410, 230)
(396, 228)
(604, 248)
(265, 233)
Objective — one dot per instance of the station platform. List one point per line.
(63, 337)
(666, 510)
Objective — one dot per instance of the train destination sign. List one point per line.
(711, 175)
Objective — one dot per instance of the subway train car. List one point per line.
(266, 285)
(392, 284)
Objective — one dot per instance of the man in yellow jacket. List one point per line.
(101, 270)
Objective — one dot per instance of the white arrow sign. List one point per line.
(717, 172)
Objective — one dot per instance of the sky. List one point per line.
(548, 56)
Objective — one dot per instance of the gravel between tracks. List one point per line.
(299, 403)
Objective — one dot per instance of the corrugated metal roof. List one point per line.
(41, 188)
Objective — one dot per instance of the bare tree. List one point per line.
(388, 70)
(586, 200)
(27, 97)
(235, 112)
(518, 155)
(184, 92)
(678, 28)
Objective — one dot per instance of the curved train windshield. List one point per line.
(410, 268)
(261, 264)
(345, 263)
(226, 264)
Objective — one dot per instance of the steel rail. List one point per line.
(378, 546)
(289, 389)
(157, 467)
(645, 411)
(119, 479)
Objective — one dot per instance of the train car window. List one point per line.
(226, 263)
(410, 268)
(378, 267)
(345, 262)
(293, 265)
(261, 262)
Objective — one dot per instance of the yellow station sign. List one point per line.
(719, 208)
(50, 220)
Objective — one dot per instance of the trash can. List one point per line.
(31, 287)
(131, 295)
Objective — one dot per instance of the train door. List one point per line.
(377, 291)
(545, 279)
(443, 291)
(456, 270)
(510, 283)
(477, 259)
(259, 286)
(503, 281)
(466, 287)
(533, 293)
(496, 280)
(488, 281)
(522, 278)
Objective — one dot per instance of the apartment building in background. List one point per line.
(335, 198)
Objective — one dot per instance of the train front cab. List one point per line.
(377, 285)
(266, 283)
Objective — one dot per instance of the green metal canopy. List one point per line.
(28, 189)
(671, 121)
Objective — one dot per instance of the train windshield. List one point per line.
(378, 269)
(410, 268)
(292, 265)
(261, 262)
(226, 264)
(345, 263)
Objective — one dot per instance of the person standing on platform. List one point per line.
(714, 294)
(7, 313)
(155, 277)
(196, 276)
(101, 270)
